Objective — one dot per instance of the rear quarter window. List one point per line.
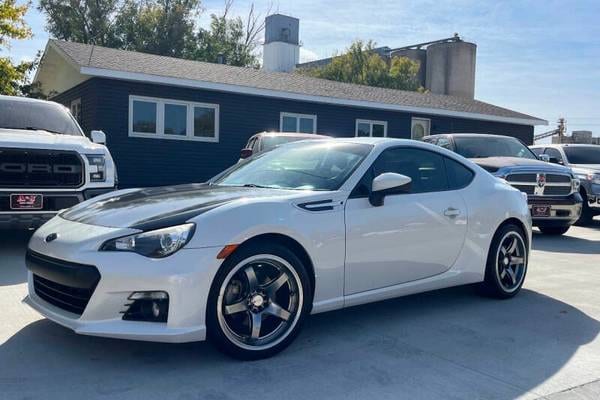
(459, 176)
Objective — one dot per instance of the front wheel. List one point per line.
(587, 216)
(258, 301)
(554, 230)
(507, 263)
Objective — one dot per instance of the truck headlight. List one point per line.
(594, 178)
(97, 167)
(155, 244)
(575, 183)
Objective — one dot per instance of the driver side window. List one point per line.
(554, 154)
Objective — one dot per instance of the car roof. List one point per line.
(479, 135)
(28, 100)
(291, 134)
(567, 145)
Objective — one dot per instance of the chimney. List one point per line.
(281, 51)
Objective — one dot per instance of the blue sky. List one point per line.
(537, 57)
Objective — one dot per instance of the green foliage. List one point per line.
(12, 26)
(163, 27)
(84, 21)
(361, 65)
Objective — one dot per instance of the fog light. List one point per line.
(148, 307)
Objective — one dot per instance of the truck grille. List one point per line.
(26, 168)
(66, 285)
(541, 184)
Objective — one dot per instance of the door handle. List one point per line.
(451, 212)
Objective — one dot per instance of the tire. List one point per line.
(261, 284)
(554, 230)
(586, 216)
(506, 265)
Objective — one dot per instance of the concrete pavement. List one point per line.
(449, 344)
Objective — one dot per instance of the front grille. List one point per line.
(25, 168)
(66, 285)
(68, 298)
(554, 185)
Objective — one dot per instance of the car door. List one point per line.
(413, 235)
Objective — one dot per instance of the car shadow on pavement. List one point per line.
(12, 256)
(565, 244)
(431, 345)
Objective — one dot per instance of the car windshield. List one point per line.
(486, 146)
(314, 165)
(583, 155)
(36, 115)
(269, 142)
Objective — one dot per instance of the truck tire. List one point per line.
(587, 216)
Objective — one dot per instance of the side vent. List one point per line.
(321, 205)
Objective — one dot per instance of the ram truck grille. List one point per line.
(541, 184)
(26, 168)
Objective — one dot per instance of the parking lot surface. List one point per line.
(449, 344)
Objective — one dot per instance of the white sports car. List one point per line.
(309, 227)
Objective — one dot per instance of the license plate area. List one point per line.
(26, 201)
(540, 211)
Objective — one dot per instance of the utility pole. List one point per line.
(561, 129)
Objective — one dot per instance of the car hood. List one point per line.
(586, 167)
(154, 208)
(493, 164)
(17, 138)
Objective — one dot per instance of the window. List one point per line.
(297, 123)
(555, 156)
(445, 143)
(76, 109)
(420, 127)
(537, 150)
(425, 168)
(459, 176)
(368, 128)
(173, 119)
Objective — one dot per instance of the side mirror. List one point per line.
(245, 153)
(555, 160)
(386, 184)
(98, 137)
(544, 157)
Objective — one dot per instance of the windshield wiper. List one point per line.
(31, 128)
(254, 185)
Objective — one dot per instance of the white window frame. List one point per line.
(160, 119)
(415, 120)
(77, 104)
(297, 116)
(371, 122)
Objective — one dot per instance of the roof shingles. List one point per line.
(104, 58)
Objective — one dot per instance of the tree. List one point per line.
(83, 21)
(233, 39)
(362, 65)
(12, 26)
(164, 27)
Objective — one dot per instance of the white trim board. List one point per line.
(224, 87)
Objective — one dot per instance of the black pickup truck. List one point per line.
(552, 190)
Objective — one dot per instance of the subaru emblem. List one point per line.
(51, 237)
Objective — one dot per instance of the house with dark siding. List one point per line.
(171, 121)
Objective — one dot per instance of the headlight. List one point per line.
(97, 167)
(155, 244)
(575, 183)
(595, 178)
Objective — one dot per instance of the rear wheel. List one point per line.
(258, 301)
(554, 230)
(507, 263)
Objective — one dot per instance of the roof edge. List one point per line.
(224, 87)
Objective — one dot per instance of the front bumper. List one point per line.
(185, 276)
(53, 203)
(564, 211)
